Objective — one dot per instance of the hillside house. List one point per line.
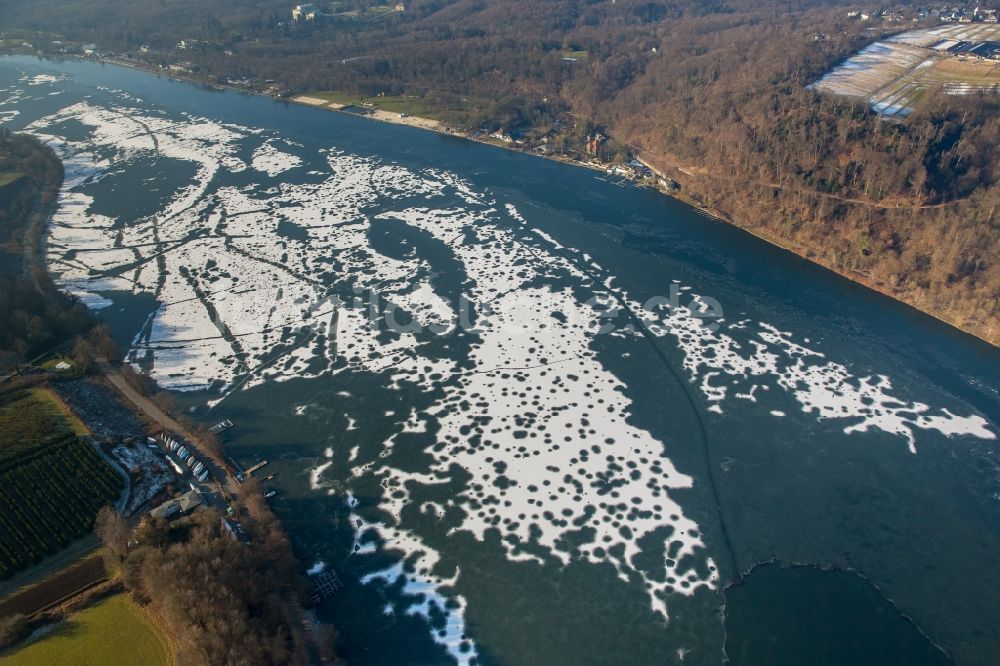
(307, 12)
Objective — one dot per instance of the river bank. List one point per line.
(438, 127)
(987, 334)
(917, 301)
(246, 501)
(680, 175)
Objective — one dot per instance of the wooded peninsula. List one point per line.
(190, 573)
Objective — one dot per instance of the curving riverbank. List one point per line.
(988, 332)
(280, 566)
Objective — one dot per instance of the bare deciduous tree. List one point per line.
(114, 530)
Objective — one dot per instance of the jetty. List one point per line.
(325, 585)
(243, 476)
(253, 469)
(221, 427)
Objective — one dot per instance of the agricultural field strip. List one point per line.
(893, 74)
(52, 482)
(29, 419)
(75, 481)
(55, 589)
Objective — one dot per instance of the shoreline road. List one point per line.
(169, 424)
(226, 483)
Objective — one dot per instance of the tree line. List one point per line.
(34, 315)
(221, 601)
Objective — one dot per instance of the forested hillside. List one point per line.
(34, 316)
(715, 87)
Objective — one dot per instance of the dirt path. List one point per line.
(147, 406)
(168, 423)
(696, 172)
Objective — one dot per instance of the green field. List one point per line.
(52, 482)
(578, 55)
(413, 106)
(113, 631)
(31, 418)
(8, 177)
(51, 364)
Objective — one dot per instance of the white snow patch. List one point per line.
(272, 161)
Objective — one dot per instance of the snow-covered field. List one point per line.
(893, 74)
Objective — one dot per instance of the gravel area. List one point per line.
(100, 409)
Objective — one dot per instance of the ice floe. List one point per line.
(421, 584)
(270, 160)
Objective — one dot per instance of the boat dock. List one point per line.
(325, 585)
(255, 468)
(221, 427)
(621, 183)
(248, 473)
